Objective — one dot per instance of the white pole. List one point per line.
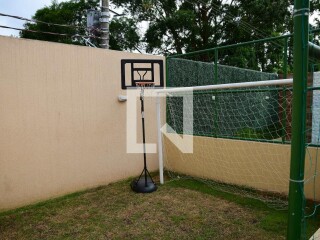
(159, 140)
(228, 86)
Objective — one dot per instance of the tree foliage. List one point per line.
(69, 13)
(123, 32)
(178, 26)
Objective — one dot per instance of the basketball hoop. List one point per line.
(145, 85)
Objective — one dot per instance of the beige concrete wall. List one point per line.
(62, 127)
(263, 166)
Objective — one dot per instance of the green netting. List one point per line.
(248, 114)
(185, 73)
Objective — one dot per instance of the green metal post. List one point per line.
(167, 84)
(216, 99)
(300, 71)
(167, 72)
(284, 92)
(216, 66)
(285, 58)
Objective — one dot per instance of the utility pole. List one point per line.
(104, 23)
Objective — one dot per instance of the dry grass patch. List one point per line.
(115, 212)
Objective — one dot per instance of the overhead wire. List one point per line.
(56, 24)
(245, 24)
(117, 14)
(53, 24)
(43, 22)
(50, 33)
(242, 24)
(61, 34)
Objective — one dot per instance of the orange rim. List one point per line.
(144, 84)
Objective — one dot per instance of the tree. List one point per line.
(123, 32)
(315, 8)
(258, 19)
(177, 26)
(66, 13)
(196, 24)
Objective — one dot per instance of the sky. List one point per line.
(24, 8)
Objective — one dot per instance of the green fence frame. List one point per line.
(298, 143)
(215, 51)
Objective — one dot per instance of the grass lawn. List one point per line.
(184, 209)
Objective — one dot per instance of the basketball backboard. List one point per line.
(141, 70)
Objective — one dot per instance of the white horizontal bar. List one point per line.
(316, 235)
(228, 86)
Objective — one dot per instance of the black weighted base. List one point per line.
(140, 185)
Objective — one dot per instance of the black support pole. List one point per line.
(144, 142)
(145, 183)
